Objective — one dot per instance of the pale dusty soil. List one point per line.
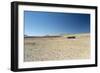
(60, 48)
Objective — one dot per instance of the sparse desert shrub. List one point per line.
(34, 43)
(71, 37)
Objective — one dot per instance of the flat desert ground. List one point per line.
(57, 48)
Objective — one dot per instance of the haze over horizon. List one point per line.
(53, 23)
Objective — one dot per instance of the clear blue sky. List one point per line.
(47, 23)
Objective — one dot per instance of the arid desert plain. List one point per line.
(50, 48)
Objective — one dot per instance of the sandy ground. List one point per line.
(59, 48)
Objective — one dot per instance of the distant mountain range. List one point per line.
(58, 35)
(26, 36)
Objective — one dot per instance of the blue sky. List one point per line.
(47, 23)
